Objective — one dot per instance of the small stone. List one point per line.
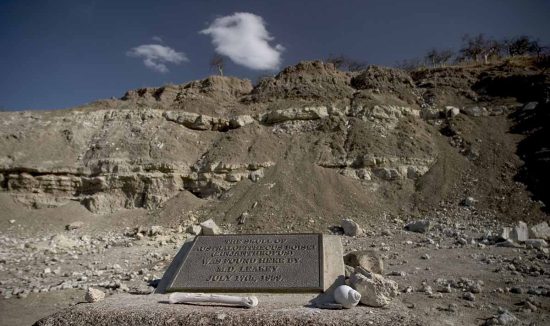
(368, 259)
(124, 288)
(476, 288)
(242, 219)
(155, 230)
(23, 295)
(517, 290)
(426, 289)
(422, 226)
(445, 289)
(348, 270)
(451, 111)
(453, 307)
(74, 225)
(425, 256)
(94, 295)
(209, 227)
(351, 228)
(469, 296)
(530, 106)
(194, 229)
(529, 306)
(469, 201)
(11, 221)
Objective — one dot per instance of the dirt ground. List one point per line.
(458, 249)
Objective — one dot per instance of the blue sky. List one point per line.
(58, 54)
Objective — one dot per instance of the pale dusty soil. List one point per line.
(142, 261)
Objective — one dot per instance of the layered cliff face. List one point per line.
(311, 140)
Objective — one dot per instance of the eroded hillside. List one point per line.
(298, 151)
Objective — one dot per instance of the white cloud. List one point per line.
(244, 39)
(157, 39)
(156, 56)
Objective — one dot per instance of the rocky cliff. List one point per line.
(310, 142)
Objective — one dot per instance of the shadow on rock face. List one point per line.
(534, 150)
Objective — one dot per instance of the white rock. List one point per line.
(255, 176)
(351, 228)
(155, 230)
(540, 231)
(241, 121)
(194, 229)
(451, 111)
(505, 233)
(375, 290)
(346, 296)
(520, 232)
(209, 227)
(94, 295)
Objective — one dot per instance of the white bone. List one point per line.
(247, 302)
(346, 296)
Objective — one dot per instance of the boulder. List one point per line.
(209, 227)
(540, 231)
(351, 228)
(370, 260)
(421, 226)
(520, 232)
(375, 290)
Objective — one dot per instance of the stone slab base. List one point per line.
(279, 309)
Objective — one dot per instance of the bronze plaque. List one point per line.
(247, 263)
